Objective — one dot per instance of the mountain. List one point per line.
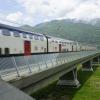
(27, 27)
(69, 29)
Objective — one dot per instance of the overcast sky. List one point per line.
(33, 12)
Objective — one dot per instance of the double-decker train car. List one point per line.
(61, 45)
(15, 41)
(53, 44)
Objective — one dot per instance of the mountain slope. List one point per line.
(68, 29)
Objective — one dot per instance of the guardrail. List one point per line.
(13, 67)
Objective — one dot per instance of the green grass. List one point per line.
(89, 89)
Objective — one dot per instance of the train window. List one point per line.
(6, 32)
(36, 37)
(0, 51)
(16, 34)
(42, 48)
(41, 38)
(45, 49)
(55, 48)
(24, 35)
(7, 51)
(36, 48)
(31, 36)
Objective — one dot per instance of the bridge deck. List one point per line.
(18, 67)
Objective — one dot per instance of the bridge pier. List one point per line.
(69, 79)
(96, 60)
(99, 59)
(87, 66)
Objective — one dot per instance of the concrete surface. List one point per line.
(39, 80)
(8, 92)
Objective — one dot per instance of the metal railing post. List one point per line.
(14, 62)
(27, 63)
(57, 62)
(55, 58)
(51, 61)
(64, 60)
(45, 62)
(39, 66)
(61, 60)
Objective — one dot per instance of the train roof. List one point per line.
(60, 39)
(18, 29)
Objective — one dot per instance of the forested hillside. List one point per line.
(76, 31)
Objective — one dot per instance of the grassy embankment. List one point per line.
(89, 89)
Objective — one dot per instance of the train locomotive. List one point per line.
(16, 41)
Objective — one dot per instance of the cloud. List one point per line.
(14, 16)
(48, 7)
(79, 9)
(19, 18)
(87, 12)
(36, 11)
(2, 17)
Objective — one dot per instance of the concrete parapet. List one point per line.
(9, 92)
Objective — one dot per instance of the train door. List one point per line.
(59, 47)
(27, 48)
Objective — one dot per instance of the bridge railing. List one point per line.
(21, 66)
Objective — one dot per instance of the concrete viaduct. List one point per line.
(39, 71)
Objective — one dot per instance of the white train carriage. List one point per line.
(62, 45)
(58, 45)
(53, 44)
(66, 46)
(83, 47)
(93, 48)
(14, 41)
(78, 46)
(10, 44)
(69, 45)
(90, 47)
(39, 44)
(73, 46)
(17, 41)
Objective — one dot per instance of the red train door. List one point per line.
(27, 48)
(59, 47)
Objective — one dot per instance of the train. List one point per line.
(16, 41)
